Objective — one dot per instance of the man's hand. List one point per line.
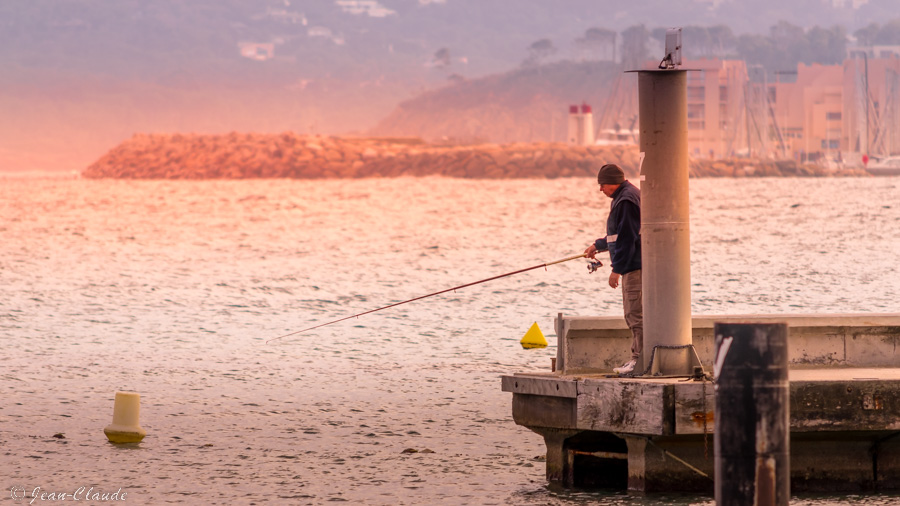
(613, 280)
(591, 252)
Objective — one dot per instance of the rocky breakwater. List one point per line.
(755, 167)
(288, 155)
(236, 156)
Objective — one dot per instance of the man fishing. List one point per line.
(623, 241)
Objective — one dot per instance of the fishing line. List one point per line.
(573, 257)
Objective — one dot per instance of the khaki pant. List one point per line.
(634, 310)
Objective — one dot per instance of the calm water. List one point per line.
(171, 289)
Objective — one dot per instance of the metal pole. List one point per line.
(752, 427)
(866, 64)
(665, 215)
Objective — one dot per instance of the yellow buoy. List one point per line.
(126, 415)
(534, 338)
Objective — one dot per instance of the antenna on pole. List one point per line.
(673, 49)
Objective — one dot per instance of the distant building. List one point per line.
(873, 52)
(716, 107)
(257, 51)
(319, 31)
(284, 16)
(852, 4)
(823, 113)
(581, 125)
(807, 113)
(369, 7)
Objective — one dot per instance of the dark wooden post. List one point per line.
(560, 344)
(752, 427)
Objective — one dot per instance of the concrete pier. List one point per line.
(654, 434)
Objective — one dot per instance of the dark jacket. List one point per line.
(623, 230)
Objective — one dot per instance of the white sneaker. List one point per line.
(627, 368)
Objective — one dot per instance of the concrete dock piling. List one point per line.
(656, 434)
(752, 426)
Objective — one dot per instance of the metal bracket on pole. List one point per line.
(670, 361)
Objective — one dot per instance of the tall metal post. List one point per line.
(752, 427)
(665, 216)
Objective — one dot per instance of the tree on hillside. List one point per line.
(875, 34)
(538, 51)
(890, 33)
(441, 58)
(757, 50)
(787, 36)
(634, 46)
(867, 35)
(597, 43)
(826, 46)
(723, 39)
(787, 45)
(696, 41)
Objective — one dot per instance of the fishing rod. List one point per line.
(573, 257)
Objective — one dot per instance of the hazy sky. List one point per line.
(80, 76)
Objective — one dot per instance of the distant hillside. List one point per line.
(149, 39)
(82, 75)
(526, 104)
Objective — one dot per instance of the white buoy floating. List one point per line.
(125, 427)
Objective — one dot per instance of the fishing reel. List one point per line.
(593, 265)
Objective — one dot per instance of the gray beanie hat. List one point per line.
(610, 174)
